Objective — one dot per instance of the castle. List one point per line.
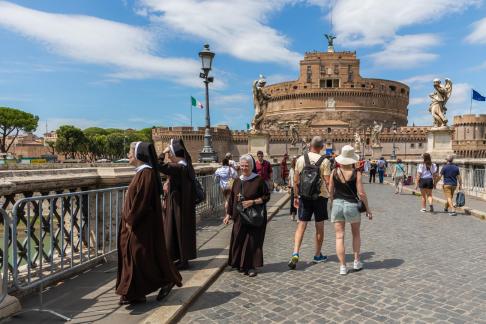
(331, 99)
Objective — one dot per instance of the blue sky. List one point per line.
(134, 63)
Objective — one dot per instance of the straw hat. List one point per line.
(347, 156)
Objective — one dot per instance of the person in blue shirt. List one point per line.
(452, 177)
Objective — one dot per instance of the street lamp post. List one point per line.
(394, 153)
(207, 153)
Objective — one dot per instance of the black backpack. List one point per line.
(310, 179)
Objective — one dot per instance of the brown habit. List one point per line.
(180, 212)
(246, 247)
(143, 262)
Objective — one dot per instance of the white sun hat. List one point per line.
(347, 156)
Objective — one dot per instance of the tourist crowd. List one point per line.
(157, 237)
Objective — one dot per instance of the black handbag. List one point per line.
(361, 206)
(253, 215)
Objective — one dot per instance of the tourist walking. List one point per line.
(311, 178)
(293, 210)
(452, 177)
(144, 264)
(398, 176)
(426, 173)
(381, 166)
(232, 163)
(264, 170)
(179, 202)
(373, 167)
(225, 176)
(284, 169)
(346, 189)
(249, 192)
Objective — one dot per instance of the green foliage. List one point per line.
(13, 121)
(96, 143)
(71, 141)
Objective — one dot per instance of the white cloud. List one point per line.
(230, 99)
(277, 78)
(419, 80)
(418, 101)
(478, 35)
(93, 40)
(461, 93)
(237, 27)
(178, 119)
(372, 22)
(405, 52)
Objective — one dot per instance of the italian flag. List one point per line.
(196, 103)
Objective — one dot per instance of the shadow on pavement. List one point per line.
(383, 264)
(213, 299)
(281, 267)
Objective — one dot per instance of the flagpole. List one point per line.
(190, 107)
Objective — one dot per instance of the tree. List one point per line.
(52, 147)
(13, 121)
(70, 141)
(146, 134)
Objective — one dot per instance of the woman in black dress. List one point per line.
(246, 247)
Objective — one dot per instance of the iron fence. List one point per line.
(54, 236)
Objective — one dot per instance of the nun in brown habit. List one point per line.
(246, 246)
(144, 264)
(179, 201)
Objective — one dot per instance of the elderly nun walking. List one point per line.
(247, 209)
(180, 205)
(143, 262)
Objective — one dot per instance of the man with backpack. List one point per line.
(311, 179)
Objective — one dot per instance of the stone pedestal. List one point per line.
(259, 141)
(439, 142)
(376, 151)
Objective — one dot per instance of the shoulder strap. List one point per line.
(319, 162)
(306, 159)
(347, 186)
(241, 188)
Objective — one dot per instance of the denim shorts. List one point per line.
(345, 211)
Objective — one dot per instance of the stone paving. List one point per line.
(419, 268)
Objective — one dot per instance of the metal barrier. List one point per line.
(6, 238)
(57, 235)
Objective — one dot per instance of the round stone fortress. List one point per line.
(330, 93)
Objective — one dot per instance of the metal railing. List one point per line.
(6, 238)
(54, 236)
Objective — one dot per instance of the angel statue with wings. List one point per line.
(260, 100)
(375, 133)
(439, 98)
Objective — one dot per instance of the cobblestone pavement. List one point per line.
(419, 268)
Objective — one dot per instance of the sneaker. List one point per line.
(320, 258)
(357, 265)
(343, 270)
(423, 210)
(452, 214)
(293, 261)
(431, 208)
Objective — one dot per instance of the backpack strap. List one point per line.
(319, 162)
(306, 159)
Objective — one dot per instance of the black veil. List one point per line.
(145, 152)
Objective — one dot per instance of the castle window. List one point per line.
(412, 145)
(309, 74)
(295, 87)
(350, 73)
(336, 69)
(329, 130)
(363, 85)
(393, 88)
(420, 145)
(402, 91)
(329, 83)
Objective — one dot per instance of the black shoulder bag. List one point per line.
(361, 204)
(253, 215)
